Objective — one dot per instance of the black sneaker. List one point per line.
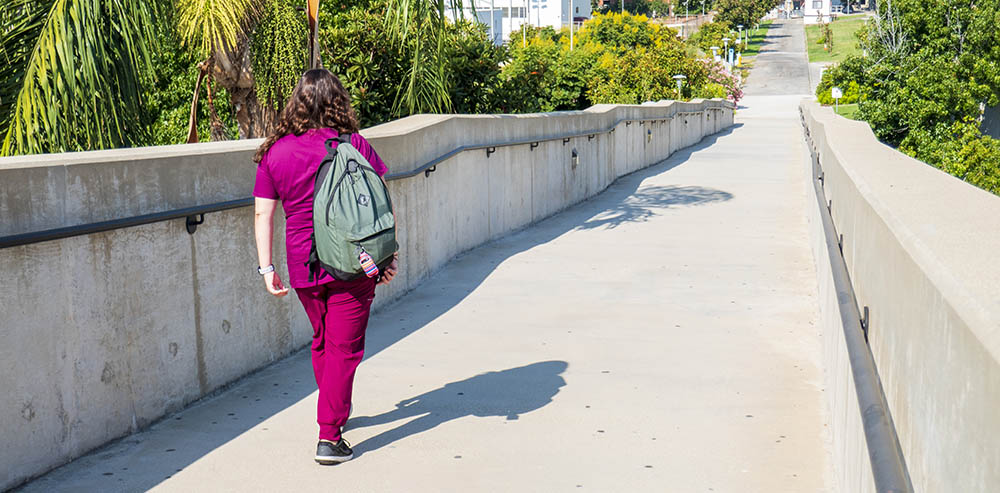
(333, 453)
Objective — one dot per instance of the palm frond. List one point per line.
(80, 87)
(209, 25)
(21, 23)
(420, 26)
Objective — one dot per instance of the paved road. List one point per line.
(781, 68)
(659, 337)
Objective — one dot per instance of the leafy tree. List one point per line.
(647, 75)
(745, 12)
(77, 70)
(378, 74)
(927, 72)
(473, 68)
(168, 91)
(657, 8)
(846, 76)
(222, 33)
(529, 76)
(419, 27)
(72, 73)
(616, 59)
(960, 150)
(624, 32)
(278, 45)
(711, 34)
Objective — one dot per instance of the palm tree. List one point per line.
(70, 73)
(238, 39)
(421, 25)
(70, 70)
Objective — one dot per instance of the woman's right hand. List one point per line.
(274, 285)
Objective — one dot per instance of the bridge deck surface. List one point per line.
(659, 337)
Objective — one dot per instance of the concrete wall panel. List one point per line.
(850, 451)
(920, 247)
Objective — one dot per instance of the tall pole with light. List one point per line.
(680, 81)
(526, 19)
(510, 20)
(493, 23)
(312, 9)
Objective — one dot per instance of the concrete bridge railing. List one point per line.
(104, 333)
(922, 249)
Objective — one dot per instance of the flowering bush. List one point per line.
(717, 75)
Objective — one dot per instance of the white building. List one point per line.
(506, 16)
(817, 11)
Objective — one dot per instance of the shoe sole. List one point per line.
(329, 461)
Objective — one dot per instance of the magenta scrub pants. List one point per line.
(338, 312)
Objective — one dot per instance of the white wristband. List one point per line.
(265, 270)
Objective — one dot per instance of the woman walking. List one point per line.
(319, 109)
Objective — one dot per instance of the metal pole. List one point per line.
(313, 10)
(493, 23)
(510, 19)
(524, 32)
(571, 35)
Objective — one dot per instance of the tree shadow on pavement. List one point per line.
(644, 204)
(508, 393)
(624, 201)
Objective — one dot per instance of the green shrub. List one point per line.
(960, 150)
(616, 58)
(354, 47)
(168, 97)
(851, 92)
(711, 34)
(848, 76)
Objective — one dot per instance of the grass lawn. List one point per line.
(844, 42)
(757, 39)
(847, 111)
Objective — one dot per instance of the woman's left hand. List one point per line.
(390, 270)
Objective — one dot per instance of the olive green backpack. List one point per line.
(354, 231)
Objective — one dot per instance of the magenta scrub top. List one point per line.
(287, 173)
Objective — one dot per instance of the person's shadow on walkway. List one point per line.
(508, 393)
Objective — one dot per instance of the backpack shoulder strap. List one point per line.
(344, 138)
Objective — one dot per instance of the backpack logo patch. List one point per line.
(363, 200)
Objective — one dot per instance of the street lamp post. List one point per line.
(680, 80)
(725, 48)
(313, 15)
(715, 53)
(740, 27)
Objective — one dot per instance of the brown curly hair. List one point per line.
(318, 101)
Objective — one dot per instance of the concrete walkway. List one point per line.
(782, 66)
(659, 337)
